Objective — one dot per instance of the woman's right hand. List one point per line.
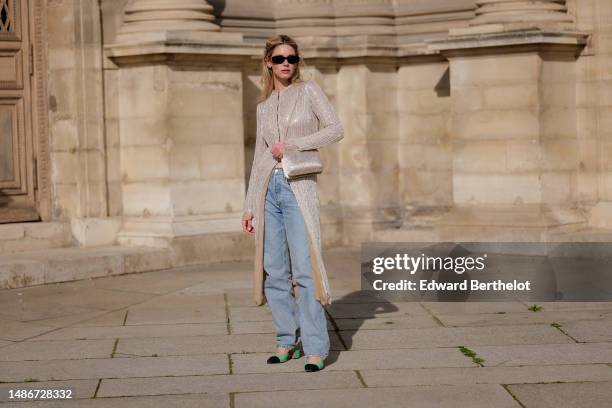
(247, 223)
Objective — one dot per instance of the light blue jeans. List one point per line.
(285, 239)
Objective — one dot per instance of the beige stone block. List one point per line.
(141, 163)
(62, 98)
(212, 78)
(46, 230)
(205, 129)
(219, 161)
(497, 69)
(586, 123)
(63, 135)
(384, 101)
(184, 162)
(146, 261)
(145, 199)
(33, 244)
(587, 94)
(604, 120)
(587, 68)
(207, 196)
(12, 231)
(422, 76)
(152, 130)
(496, 188)
(479, 156)
(422, 157)
(66, 201)
(559, 154)
(523, 155)
(558, 187)
(558, 96)
(426, 188)
(495, 124)
(511, 97)
(467, 98)
(18, 274)
(558, 71)
(588, 155)
(423, 128)
(600, 215)
(194, 102)
(95, 231)
(421, 100)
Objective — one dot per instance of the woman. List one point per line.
(292, 114)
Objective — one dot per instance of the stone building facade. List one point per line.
(129, 125)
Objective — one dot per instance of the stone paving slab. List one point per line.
(452, 337)
(40, 311)
(589, 330)
(16, 371)
(175, 346)
(436, 396)
(384, 323)
(486, 375)
(569, 395)
(542, 354)
(379, 309)
(229, 383)
(95, 298)
(360, 360)
(177, 314)
(209, 400)
(57, 349)
(489, 319)
(81, 388)
(15, 330)
(135, 331)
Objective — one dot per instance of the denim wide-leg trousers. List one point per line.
(286, 250)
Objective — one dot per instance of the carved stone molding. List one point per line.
(147, 16)
(513, 11)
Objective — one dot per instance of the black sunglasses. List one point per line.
(279, 59)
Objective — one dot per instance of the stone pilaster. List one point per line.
(513, 127)
(181, 130)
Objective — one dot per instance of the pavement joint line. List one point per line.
(558, 327)
(97, 388)
(360, 377)
(336, 328)
(125, 317)
(333, 350)
(227, 314)
(514, 397)
(230, 363)
(432, 315)
(232, 399)
(114, 348)
(298, 372)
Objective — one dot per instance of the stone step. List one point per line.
(67, 264)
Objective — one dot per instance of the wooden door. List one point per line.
(17, 148)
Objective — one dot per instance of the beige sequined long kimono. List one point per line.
(302, 116)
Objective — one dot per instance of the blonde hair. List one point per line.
(267, 80)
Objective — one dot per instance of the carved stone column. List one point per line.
(181, 130)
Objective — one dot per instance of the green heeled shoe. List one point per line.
(311, 367)
(295, 352)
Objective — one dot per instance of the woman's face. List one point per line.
(283, 72)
